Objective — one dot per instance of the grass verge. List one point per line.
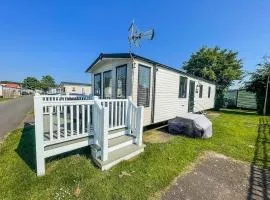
(2, 100)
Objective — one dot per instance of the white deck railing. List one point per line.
(135, 121)
(63, 122)
(117, 112)
(67, 120)
(58, 98)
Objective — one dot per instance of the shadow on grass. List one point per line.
(259, 183)
(238, 112)
(26, 147)
(27, 151)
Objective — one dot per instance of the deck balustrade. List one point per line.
(64, 123)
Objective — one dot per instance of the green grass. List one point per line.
(4, 99)
(73, 176)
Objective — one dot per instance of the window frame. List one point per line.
(95, 75)
(186, 83)
(103, 80)
(116, 84)
(201, 91)
(209, 91)
(148, 103)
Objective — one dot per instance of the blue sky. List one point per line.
(62, 38)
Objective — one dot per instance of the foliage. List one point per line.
(257, 84)
(47, 82)
(73, 176)
(219, 65)
(31, 83)
(5, 82)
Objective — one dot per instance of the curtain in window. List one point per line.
(144, 86)
(183, 87)
(97, 85)
(107, 85)
(121, 80)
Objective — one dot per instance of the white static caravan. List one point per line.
(164, 92)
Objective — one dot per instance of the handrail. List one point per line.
(101, 127)
(135, 121)
(117, 112)
(63, 119)
(62, 103)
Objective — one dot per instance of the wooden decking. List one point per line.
(46, 127)
(111, 128)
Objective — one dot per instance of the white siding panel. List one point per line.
(167, 103)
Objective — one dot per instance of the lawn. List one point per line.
(4, 99)
(73, 175)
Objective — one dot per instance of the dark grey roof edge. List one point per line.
(74, 83)
(127, 55)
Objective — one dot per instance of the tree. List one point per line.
(257, 84)
(47, 82)
(31, 83)
(221, 66)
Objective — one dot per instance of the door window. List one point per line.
(144, 86)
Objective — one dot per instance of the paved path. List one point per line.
(217, 177)
(13, 112)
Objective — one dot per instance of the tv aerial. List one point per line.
(136, 36)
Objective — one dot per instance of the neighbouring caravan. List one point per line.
(165, 92)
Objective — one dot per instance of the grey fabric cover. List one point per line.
(193, 125)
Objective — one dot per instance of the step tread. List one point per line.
(119, 153)
(118, 140)
(117, 130)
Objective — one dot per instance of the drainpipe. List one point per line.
(132, 75)
(153, 93)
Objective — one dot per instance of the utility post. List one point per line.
(266, 94)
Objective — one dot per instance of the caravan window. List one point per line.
(201, 91)
(107, 84)
(97, 85)
(121, 82)
(209, 91)
(183, 87)
(144, 86)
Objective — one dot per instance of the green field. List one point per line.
(240, 135)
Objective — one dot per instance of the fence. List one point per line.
(64, 123)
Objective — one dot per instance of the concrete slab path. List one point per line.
(217, 177)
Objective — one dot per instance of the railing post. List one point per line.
(129, 115)
(95, 120)
(139, 125)
(104, 133)
(40, 157)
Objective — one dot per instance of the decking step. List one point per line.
(117, 133)
(119, 142)
(119, 155)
